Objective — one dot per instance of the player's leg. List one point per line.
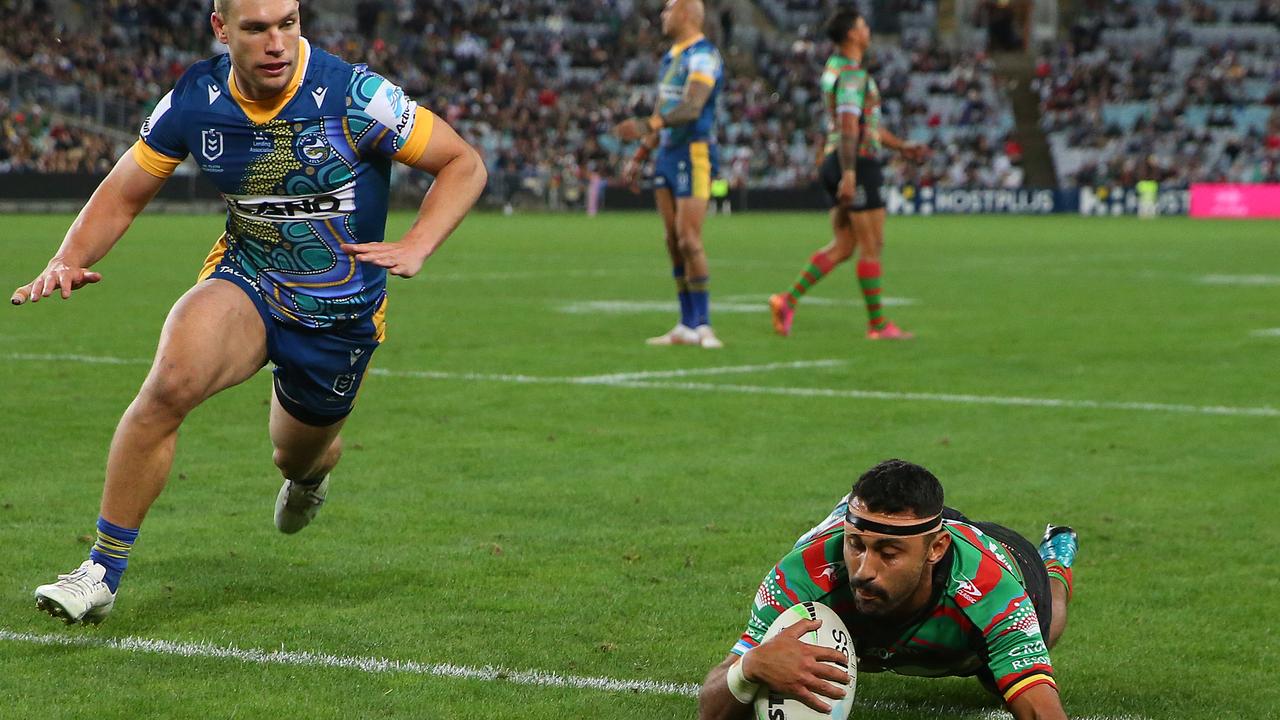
(304, 454)
(782, 305)
(821, 263)
(690, 214)
(868, 228)
(191, 364)
(1058, 551)
(316, 381)
(682, 333)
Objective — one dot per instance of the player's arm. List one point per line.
(910, 150)
(631, 172)
(784, 664)
(1039, 703)
(100, 224)
(696, 93)
(849, 101)
(460, 177)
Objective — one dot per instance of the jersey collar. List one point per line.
(681, 47)
(261, 111)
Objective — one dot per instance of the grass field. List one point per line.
(495, 508)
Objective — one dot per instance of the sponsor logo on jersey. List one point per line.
(262, 143)
(355, 355)
(969, 592)
(391, 108)
(313, 148)
(1028, 649)
(294, 208)
(211, 144)
(161, 108)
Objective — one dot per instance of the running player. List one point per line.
(683, 131)
(923, 590)
(851, 175)
(300, 144)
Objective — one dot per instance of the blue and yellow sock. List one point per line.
(111, 550)
(701, 299)
(682, 292)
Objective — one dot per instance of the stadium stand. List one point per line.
(1178, 92)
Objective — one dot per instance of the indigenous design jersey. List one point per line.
(848, 87)
(696, 60)
(979, 616)
(300, 173)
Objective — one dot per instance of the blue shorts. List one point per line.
(317, 372)
(686, 170)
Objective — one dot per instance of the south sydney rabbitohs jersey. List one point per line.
(848, 87)
(300, 174)
(979, 616)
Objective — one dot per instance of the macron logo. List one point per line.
(214, 93)
(318, 95)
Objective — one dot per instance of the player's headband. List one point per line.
(863, 520)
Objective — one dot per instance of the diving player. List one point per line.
(300, 144)
(851, 175)
(683, 131)
(923, 591)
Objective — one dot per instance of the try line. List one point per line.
(487, 673)
(660, 380)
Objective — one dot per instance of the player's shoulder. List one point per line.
(976, 571)
(212, 71)
(817, 566)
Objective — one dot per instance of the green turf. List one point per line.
(598, 530)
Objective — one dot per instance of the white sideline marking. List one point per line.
(363, 664)
(1268, 332)
(1240, 280)
(487, 673)
(824, 301)
(737, 304)
(689, 372)
(850, 393)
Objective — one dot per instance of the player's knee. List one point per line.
(690, 243)
(169, 396)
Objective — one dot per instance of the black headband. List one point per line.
(862, 524)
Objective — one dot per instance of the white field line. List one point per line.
(727, 305)
(1267, 332)
(95, 359)
(1240, 280)
(691, 372)
(823, 301)
(487, 673)
(525, 275)
(845, 393)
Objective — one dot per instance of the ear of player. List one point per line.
(771, 705)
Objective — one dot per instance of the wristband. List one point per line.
(642, 153)
(655, 122)
(743, 689)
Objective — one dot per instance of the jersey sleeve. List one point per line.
(386, 122)
(160, 148)
(998, 605)
(809, 572)
(704, 66)
(772, 598)
(851, 91)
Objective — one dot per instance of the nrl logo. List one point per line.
(211, 144)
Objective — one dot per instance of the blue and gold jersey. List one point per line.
(694, 61)
(300, 173)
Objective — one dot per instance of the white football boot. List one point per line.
(707, 338)
(679, 335)
(297, 505)
(78, 596)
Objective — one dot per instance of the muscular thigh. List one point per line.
(213, 339)
(690, 214)
(666, 209)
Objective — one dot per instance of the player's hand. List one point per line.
(398, 258)
(787, 665)
(916, 152)
(57, 276)
(845, 191)
(631, 176)
(629, 130)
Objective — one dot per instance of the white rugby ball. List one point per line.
(771, 705)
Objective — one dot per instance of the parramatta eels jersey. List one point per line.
(300, 173)
(979, 616)
(848, 87)
(695, 60)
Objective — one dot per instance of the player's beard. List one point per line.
(880, 601)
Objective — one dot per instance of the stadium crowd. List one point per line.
(1173, 91)
(538, 97)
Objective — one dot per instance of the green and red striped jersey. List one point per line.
(848, 87)
(979, 615)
